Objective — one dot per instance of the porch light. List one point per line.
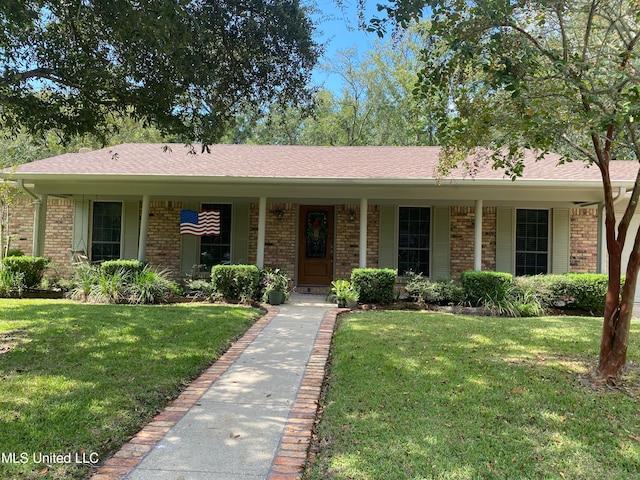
(278, 212)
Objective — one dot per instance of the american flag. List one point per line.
(202, 223)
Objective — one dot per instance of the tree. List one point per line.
(185, 66)
(545, 75)
(374, 105)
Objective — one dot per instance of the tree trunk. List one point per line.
(617, 314)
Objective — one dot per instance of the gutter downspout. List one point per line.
(39, 220)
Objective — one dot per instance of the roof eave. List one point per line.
(110, 178)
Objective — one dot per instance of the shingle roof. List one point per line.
(295, 162)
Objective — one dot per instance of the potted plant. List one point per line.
(275, 286)
(343, 293)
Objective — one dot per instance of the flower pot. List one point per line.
(275, 297)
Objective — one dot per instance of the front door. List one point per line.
(315, 252)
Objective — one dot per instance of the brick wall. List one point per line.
(583, 240)
(347, 256)
(462, 234)
(58, 232)
(163, 237)
(489, 238)
(280, 236)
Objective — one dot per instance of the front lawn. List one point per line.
(82, 379)
(425, 395)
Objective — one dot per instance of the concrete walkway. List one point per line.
(249, 416)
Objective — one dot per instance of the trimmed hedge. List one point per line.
(479, 285)
(236, 283)
(133, 267)
(31, 268)
(374, 285)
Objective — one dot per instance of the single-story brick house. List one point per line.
(317, 212)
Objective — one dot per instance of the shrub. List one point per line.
(148, 286)
(236, 282)
(587, 291)
(122, 285)
(479, 286)
(201, 289)
(374, 285)
(11, 282)
(440, 292)
(110, 267)
(85, 276)
(14, 252)
(32, 269)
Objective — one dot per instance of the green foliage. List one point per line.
(588, 291)
(374, 285)
(201, 289)
(11, 282)
(15, 252)
(574, 291)
(235, 283)
(120, 282)
(177, 65)
(274, 280)
(32, 269)
(84, 277)
(440, 292)
(481, 285)
(149, 286)
(130, 267)
(343, 292)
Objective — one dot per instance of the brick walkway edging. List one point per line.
(291, 457)
(131, 454)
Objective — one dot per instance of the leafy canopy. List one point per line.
(185, 66)
(559, 74)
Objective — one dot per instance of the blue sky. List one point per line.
(339, 31)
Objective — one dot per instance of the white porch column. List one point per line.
(144, 227)
(364, 208)
(477, 244)
(262, 229)
(39, 224)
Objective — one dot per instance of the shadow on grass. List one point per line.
(418, 395)
(84, 378)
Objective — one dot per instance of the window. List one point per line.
(414, 240)
(532, 242)
(216, 250)
(106, 231)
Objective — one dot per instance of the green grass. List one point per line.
(422, 395)
(78, 378)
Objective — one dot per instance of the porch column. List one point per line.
(262, 229)
(477, 244)
(39, 224)
(144, 227)
(364, 207)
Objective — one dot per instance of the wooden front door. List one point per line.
(315, 252)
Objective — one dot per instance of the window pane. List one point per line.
(216, 249)
(414, 239)
(532, 242)
(106, 231)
